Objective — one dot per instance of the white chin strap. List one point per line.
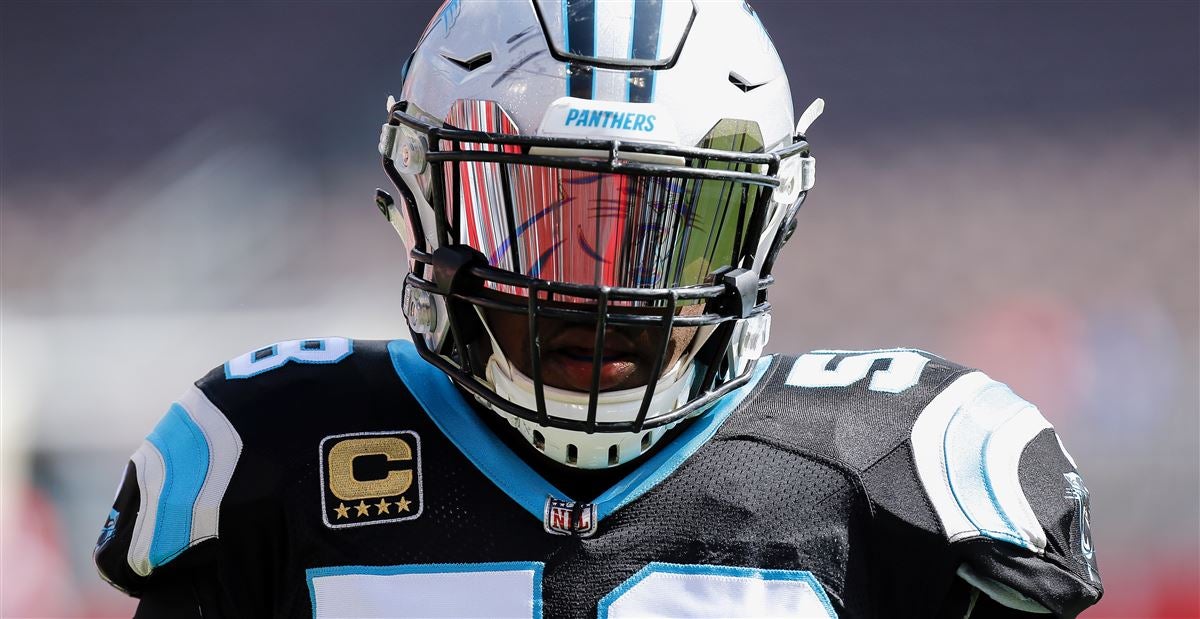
(600, 449)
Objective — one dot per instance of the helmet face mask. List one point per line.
(566, 348)
(584, 229)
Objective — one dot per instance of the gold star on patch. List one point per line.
(362, 509)
(402, 505)
(342, 511)
(381, 507)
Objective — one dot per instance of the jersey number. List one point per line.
(514, 589)
(814, 369)
(325, 350)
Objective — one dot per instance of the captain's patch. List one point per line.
(370, 478)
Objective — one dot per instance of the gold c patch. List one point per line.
(370, 478)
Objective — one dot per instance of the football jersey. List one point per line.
(340, 478)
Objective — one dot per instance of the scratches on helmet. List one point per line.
(517, 66)
(521, 37)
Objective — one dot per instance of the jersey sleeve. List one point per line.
(1008, 497)
(170, 497)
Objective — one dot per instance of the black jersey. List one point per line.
(332, 477)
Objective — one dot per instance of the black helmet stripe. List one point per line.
(579, 24)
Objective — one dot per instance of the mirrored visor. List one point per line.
(602, 229)
(599, 228)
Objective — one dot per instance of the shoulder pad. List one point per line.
(853, 406)
(182, 470)
(286, 371)
(967, 445)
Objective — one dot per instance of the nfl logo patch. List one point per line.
(370, 478)
(569, 518)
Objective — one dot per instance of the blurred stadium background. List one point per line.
(1013, 185)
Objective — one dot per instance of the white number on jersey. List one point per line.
(903, 371)
(324, 350)
(428, 590)
(515, 590)
(712, 591)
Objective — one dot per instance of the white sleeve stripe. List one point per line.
(967, 445)
(225, 447)
(150, 475)
(1002, 459)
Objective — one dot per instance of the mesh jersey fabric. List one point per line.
(818, 480)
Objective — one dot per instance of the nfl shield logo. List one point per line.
(569, 518)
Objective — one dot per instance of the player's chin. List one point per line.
(573, 370)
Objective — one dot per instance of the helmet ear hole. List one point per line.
(614, 455)
(539, 441)
(572, 455)
(645, 442)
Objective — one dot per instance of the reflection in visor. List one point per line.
(600, 229)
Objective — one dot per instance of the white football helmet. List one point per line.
(625, 163)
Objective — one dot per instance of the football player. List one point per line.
(593, 196)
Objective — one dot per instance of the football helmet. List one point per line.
(618, 165)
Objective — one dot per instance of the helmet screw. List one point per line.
(419, 310)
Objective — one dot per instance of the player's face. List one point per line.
(568, 350)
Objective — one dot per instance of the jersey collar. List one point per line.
(450, 411)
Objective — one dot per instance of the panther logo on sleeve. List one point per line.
(1078, 493)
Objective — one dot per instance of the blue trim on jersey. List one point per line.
(445, 405)
(991, 491)
(949, 473)
(713, 570)
(185, 457)
(676, 452)
(536, 567)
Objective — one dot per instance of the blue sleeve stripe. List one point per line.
(662, 464)
(185, 455)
